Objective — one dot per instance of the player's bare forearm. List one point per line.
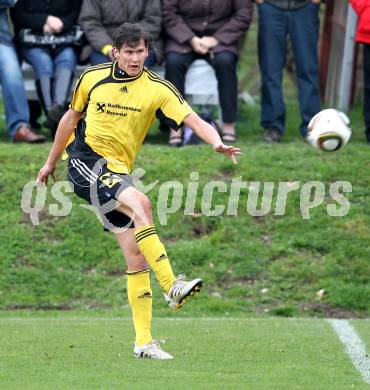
(65, 128)
(208, 134)
(203, 129)
(66, 125)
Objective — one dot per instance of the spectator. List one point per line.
(214, 33)
(300, 20)
(14, 96)
(100, 19)
(362, 9)
(53, 65)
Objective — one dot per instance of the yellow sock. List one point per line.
(155, 254)
(140, 299)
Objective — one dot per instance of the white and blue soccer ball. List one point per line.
(329, 130)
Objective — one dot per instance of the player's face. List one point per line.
(131, 59)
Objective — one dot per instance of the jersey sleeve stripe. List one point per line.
(99, 66)
(88, 70)
(91, 69)
(107, 79)
(152, 73)
(169, 86)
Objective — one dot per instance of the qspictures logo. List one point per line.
(239, 198)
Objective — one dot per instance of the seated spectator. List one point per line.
(100, 19)
(214, 33)
(54, 65)
(363, 36)
(14, 96)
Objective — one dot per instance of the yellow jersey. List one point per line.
(119, 110)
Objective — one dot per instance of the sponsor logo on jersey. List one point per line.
(100, 107)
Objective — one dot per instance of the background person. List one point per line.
(214, 33)
(14, 96)
(278, 19)
(99, 20)
(362, 9)
(54, 66)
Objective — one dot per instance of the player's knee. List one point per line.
(146, 205)
(142, 209)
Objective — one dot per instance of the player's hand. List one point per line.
(229, 151)
(45, 172)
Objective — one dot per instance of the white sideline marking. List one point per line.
(354, 346)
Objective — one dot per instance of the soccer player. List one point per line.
(113, 106)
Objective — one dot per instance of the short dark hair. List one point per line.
(130, 34)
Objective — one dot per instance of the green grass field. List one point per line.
(251, 265)
(79, 351)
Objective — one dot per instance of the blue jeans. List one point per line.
(367, 88)
(46, 62)
(302, 26)
(99, 58)
(14, 96)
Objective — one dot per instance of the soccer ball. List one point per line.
(328, 130)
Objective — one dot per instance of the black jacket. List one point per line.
(33, 13)
(288, 4)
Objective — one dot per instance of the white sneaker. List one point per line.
(151, 351)
(180, 290)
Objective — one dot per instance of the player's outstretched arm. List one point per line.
(209, 135)
(65, 128)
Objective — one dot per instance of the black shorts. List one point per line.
(100, 187)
